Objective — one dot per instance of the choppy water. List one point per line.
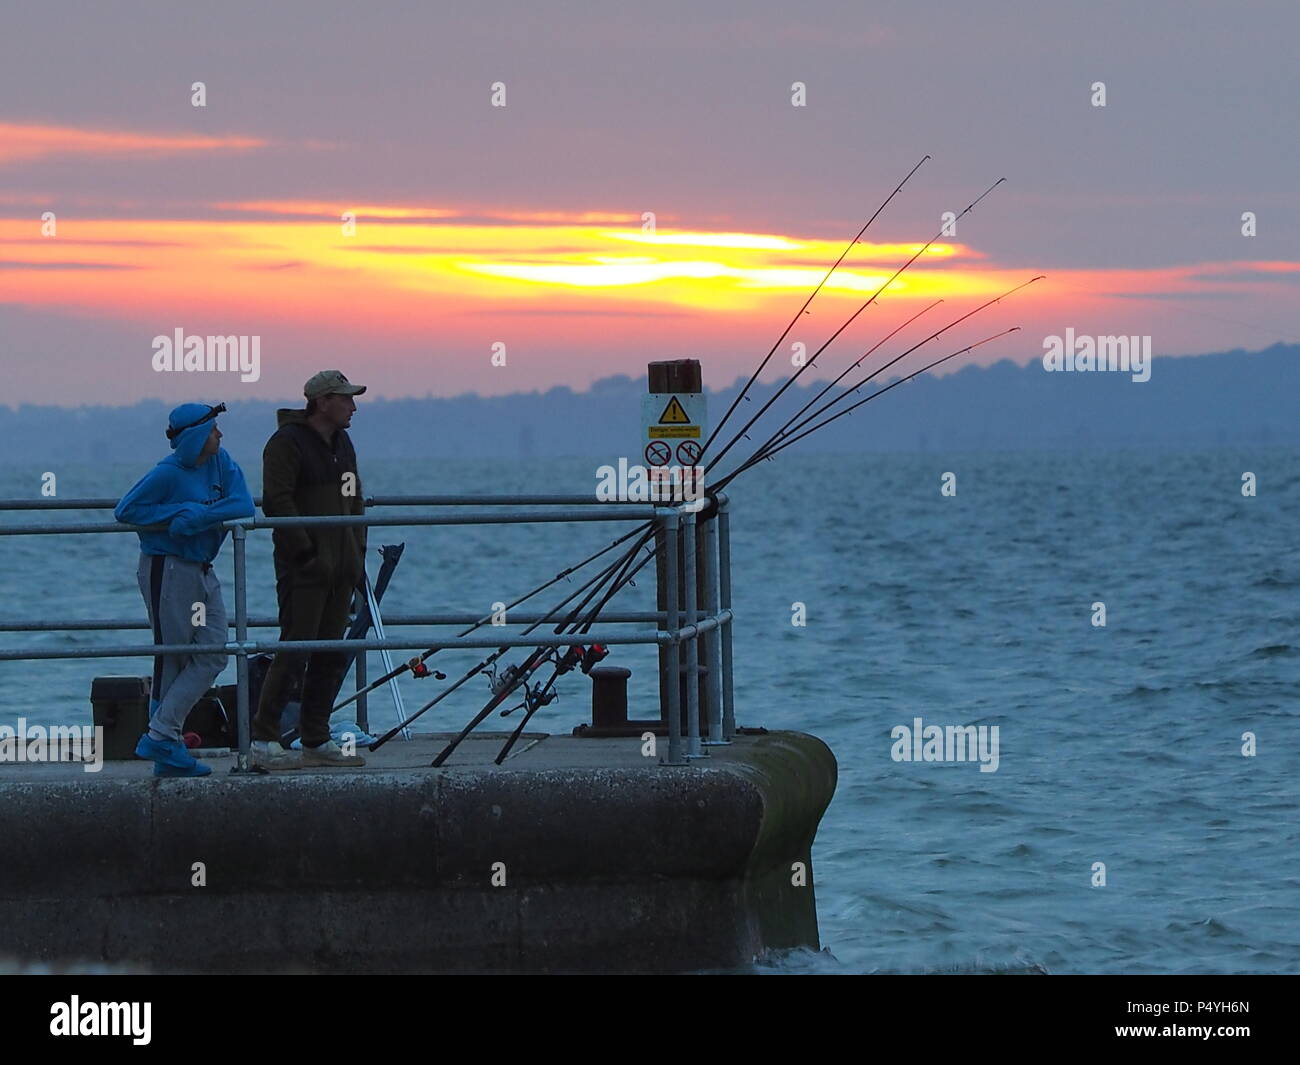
(1119, 744)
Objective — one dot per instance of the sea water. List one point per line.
(1124, 829)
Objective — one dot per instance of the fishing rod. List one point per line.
(854, 366)
(849, 410)
(517, 675)
(537, 697)
(791, 426)
(542, 695)
(416, 665)
(621, 581)
(490, 659)
(741, 394)
(796, 375)
(578, 657)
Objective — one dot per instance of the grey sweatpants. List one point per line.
(173, 588)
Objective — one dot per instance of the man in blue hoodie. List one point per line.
(191, 492)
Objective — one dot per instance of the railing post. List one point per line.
(673, 689)
(724, 595)
(687, 579)
(693, 749)
(240, 535)
(713, 647)
(363, 704)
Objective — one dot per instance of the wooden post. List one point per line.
(678, 376)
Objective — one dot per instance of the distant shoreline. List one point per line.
(1226, 399)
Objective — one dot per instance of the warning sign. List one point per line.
(669, 416)
(674, 413)
(674, 429)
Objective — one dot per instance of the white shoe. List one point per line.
(330, 753)
(268, 754)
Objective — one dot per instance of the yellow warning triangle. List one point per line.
(674, 414)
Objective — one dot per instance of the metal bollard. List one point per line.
(609, 696)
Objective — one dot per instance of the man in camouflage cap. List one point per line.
(309, 467)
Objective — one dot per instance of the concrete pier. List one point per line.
(575, 855)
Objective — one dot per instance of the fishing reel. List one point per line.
(420, 670)
(535, 697)
(571, 658)
(538, 695)
(597, 652)
(577, 657)
(504, 680)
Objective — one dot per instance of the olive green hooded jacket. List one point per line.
(303, 475)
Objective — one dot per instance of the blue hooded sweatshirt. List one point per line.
(192, 500)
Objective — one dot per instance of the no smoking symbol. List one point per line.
(657, 453)
(688, 452)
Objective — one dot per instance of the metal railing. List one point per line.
(680, 621)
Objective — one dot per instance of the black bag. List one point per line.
(227, 698)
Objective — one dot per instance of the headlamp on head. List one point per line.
(172, 434)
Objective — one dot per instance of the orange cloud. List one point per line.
(418, 271)
(392, 270)
(322, 209)
(21, 143)
(334, 209)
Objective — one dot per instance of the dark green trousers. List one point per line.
(308, 611)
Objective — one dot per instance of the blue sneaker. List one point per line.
(171, 758)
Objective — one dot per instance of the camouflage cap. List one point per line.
(328, 381)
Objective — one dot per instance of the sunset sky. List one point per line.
(523, 225)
